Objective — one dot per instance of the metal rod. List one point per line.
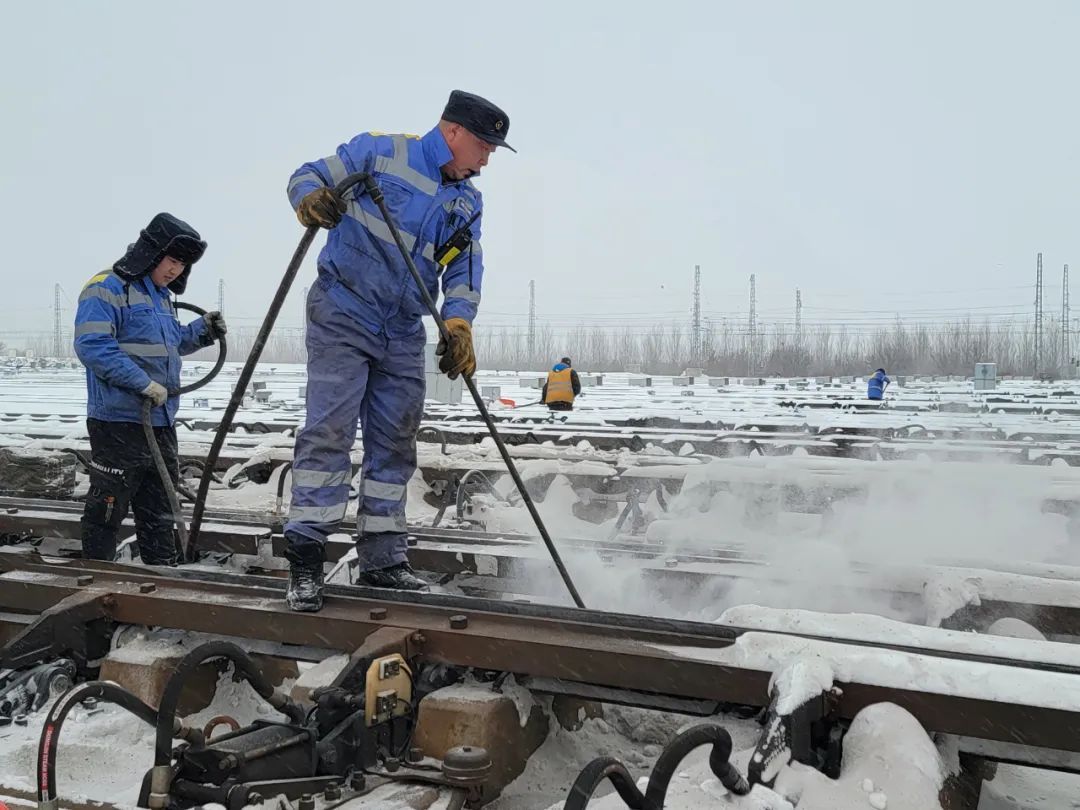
(270, 748)
(155, 450)
(375, 193)
(165, 475)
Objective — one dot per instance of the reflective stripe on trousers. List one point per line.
(355, 376)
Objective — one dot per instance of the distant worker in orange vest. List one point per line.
(561, 387)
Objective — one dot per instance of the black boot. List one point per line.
(305, 591)
(400, 577)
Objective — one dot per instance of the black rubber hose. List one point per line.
(164, 475)
(281, 484)
(249, 369)
(593, 775)
(462, 490)
(54, 721)
(151, 440)
(170, 698)
(223, 350)
(376, 195)
(438, 434)
(676, 751)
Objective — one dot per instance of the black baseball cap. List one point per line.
(478, 115)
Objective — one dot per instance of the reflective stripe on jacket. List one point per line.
(368, 278)
(126, 333)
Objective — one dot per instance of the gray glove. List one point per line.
(156, 393)
(215, 325)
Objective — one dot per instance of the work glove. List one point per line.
(457, 357)
(156, 393)
(322, 207)
(215, 325)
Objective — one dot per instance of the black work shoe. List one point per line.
(400, 577)
(305, 587)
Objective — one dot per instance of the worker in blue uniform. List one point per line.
(365, 339)
(875, 388)
(128, 337)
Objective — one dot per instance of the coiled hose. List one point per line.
(164, 720)
(593, 774)
(170, 698)
(151, 440)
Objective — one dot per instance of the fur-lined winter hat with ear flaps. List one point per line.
(164, 236)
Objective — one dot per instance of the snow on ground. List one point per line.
(984, 516)
(1016, 788)
(889, 762)
(104, 756)
(1026, 644)
(851, 663)
(633, 736)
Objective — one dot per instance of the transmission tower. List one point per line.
(1038, 315)
(58, 314)
(695, 310)
(221, 295)
(798, 314)
(532, 320)
(751, 355)
(1064, 317)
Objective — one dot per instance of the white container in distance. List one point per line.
(440, 387)
(985, 376)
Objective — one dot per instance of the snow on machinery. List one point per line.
(352, 736)
(1014, 702)
(811, 732)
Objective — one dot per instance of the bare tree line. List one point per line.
(726, 348)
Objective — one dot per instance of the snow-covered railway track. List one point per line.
(685, 577)
(1022, 693)
(1027, 442)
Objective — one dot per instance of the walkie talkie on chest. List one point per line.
(456, 244)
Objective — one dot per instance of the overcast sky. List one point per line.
(884, 157)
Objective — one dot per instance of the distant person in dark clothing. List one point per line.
(561, 387)
(877, 385)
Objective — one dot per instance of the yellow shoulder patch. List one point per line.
(376, 134)
(97, 278)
